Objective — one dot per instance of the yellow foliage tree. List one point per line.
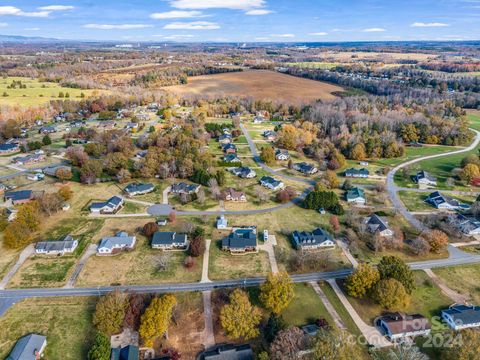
(277, 292)
(469, 172)
(239, 318)
(156, 319)
(362, 280)
(391, 294)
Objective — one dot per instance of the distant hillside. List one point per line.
(25, 39)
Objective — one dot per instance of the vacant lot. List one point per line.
(469, 275)
(258, 84)
(36, 92)
(65, 321)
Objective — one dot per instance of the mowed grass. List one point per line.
(463, 279)
(65, 321)
(415, 201)
(427, 299)
(473, 117)
(306, 307)
(416, 152)
(37, 93)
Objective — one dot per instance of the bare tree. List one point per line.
(201, 196)
(214, 188)
(162, 261)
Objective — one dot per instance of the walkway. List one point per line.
(452, 294)
(165, 195)
(208, 334)
(206, 256)
(24, 255)
(91, 250)
(328, 305)
(347, 253)
(371, 334)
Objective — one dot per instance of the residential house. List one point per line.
(11, 214)
(231, 158)
(375, 224)
(444, 202)
(304, 168)
(234, 195)
(271, 183)
(270, 135)
(222, 222)
(107, 125)
(423, 178)
(47, 130)
(398, 326)
(357, 173)
(141, 154)
(67, 245)
(241, 240)
(228, 352)
(130, 352)
(115, 244)
(19, 197)
(52, 170)
(229, 148)
(225, 139)
(243, 172)
(317, 239)
(29, 347)
(169, 241)
(138, 189)
(259, 119)
(356, 195)
(467, 225)
(9, 148)
(35, 176)
(460, 317)
(111, 206)
(132, 126)
(282, 155)
(183, 188)
(28, 159)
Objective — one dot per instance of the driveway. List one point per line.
(206, 256)
(24, 255)
(91, 250)
(328, 305)
(165, 195)
(208, 335)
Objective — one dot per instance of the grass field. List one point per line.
(415, 201)
(36, 92)
(473, 117)
(65, 321)
(259, 84)
(470, 280)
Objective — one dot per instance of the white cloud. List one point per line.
(432, 24)
(117, 26)
(318, 34)
(195, 25)
(218, 4)
(374, 30)
(177, 36)
(257, 12)
(176, 14)
(32, 29)
(56, 8)
(3, 25)
(262, 38)
(14, 11)
(283, 35)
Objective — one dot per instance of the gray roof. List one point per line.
(52, 170)
(304, 167)
(26, 347)
(240, 239)
(228, 352)
(66, 243)
(436, 199)
(184, 188)
(19, 195)
(168, 238)
(113, 202)
(270, 180)
(422, 174)
(376, 223)
(317, 236)
(464, 314)
(357, 172)
(137, 187)
(8, 147)
(121, 238)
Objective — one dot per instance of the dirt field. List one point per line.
(259, 84)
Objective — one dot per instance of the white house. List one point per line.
(271, 183)
(375, 224)
(460, 317)
(169, 241)
(398, 326)
(114, 244)
(110, 206)
(65, 246)
(222, 222)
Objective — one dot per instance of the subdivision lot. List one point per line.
(469, 276)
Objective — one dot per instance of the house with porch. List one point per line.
(375, 224)
(111, 206)
(169, 241)
(356, 196)
(241, 240)
(317, 239)
(114, 244)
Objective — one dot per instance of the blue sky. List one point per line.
(243, 20)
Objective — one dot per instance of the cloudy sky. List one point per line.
(243, 20)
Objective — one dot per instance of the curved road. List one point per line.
(393, 188)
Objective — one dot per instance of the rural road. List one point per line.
(393, 189)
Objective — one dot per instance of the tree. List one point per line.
(156, 319)
(76, 155)
(189, 262)
(63, 174)
(465, 347)
(17, 235)
(277, 292)
(46, 140)
(110, 313)
(149, 229)
(274, 325)
(331, 179)
(335, 344)
(197, 246)
(124, 176)
(29, 215)
(135, 308)
(335, 223)
(65, 192)
(239, 318)
(288, 343)
(437, 240)
(419, 246)
(100, 349)
(358, 152)
(393, 267)
(469, 172)
(91, 171)
(391, 294)
(172, 217)
(267, 155)
(401, 351)
(409, 133)
(51, 203)
(362, 280)
(470, 159)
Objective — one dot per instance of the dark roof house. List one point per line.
(228, 352)
(29, 347)
(139, 189)
(240, 240)
(316, 239)
(357, 173)
(19, 197)
(462, 316)
(169, 241)
(130, 352)
(398, 325)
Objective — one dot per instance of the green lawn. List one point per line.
(415, 201)
(464, 279)
(474, 120)
(67, 323)
(415, 152)
(37, 92)
(306, 307)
